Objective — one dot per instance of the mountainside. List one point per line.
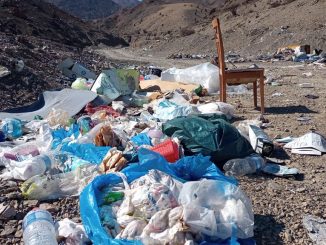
(41, 36)
(42, 20)
(92, 9)
(126, 3)
(248, 26)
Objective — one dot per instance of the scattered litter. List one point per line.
(279, 170)
(277, 94)
(307, 74)
(204, 74)
(284, 140)
(260, 141)
(309, 144)
(311, 96)
(73, 70)
(306, 85)
(316, 228)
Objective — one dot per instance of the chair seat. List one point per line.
(240, 76)
(245, 70)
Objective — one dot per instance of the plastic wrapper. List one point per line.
(58, 117)
(106, 137)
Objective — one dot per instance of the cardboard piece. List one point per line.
(73, 70)
(308, 144)
(167, 86)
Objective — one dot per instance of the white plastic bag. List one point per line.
(232, 208)
(217, 107)
(74, 233)
(205, 74)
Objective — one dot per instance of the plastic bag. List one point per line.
(46, 187)
(217, 107)
(73, 233)
(205, 74)
(167, 110)
(232, 208)
(90, 197)
(58, 117)
(210, 137)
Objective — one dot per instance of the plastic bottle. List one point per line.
(31, 167)
(241, 167)
(12, 128)
(38, 227)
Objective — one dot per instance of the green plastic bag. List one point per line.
(209, 135)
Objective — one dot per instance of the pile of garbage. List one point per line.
(296, 53)
(147, 165)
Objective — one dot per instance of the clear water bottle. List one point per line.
(38, 228)
(241, 167)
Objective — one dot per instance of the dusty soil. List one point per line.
(249, 27)
(279, 203)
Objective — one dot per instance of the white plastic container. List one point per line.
(38, 227)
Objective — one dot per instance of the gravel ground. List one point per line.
(279, 203)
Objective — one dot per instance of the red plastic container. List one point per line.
(169, 150)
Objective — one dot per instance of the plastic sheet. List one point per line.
(204, 74)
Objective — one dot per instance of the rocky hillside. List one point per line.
(42, 20)
(248, 26)
(92, 9)
(41, 36)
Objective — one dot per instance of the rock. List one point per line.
(20, 216)
(31, 203)
(14, 195)
(8, 230)
(7, 212)
(48, 207)
(288, 236)
(19, 233)
(4, 72)
(11, 183)
(303, 189)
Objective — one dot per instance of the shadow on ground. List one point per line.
(289, 110)
(267, 230)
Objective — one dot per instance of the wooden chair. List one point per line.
(238, 76)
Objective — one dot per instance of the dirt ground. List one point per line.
(279, 203)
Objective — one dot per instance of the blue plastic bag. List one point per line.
(88, 152)
(187, 169)
(141, 139)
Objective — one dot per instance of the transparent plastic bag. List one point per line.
(205, 74)
(232, 208)
(58, 117)
(46, 187)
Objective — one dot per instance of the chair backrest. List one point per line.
(219, 45)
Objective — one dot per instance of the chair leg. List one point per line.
(262, 98)
(221, 91)
(224, 91)
(255, 93)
